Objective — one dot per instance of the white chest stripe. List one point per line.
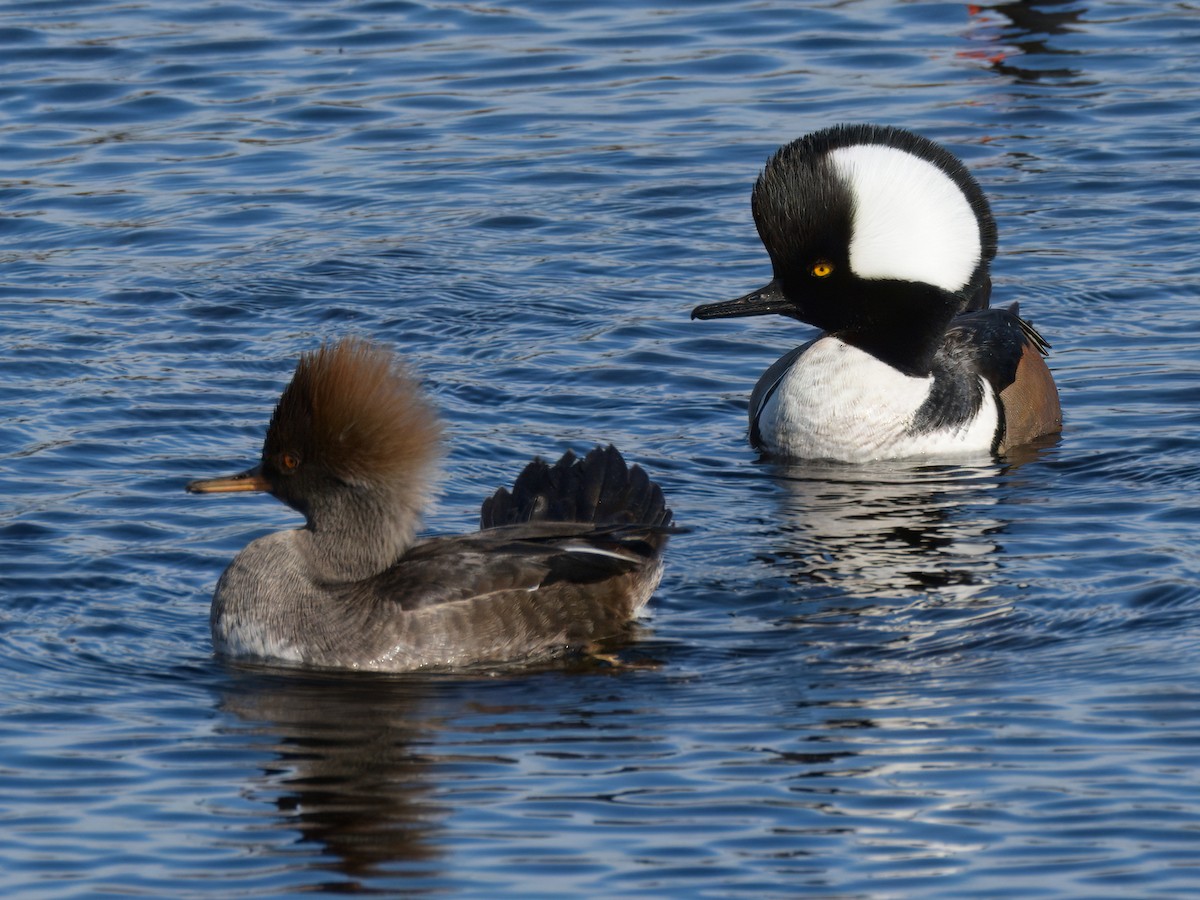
(838, 402)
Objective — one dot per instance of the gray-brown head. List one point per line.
(351, 423)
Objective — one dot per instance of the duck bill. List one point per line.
(250, 480)
(766, 300)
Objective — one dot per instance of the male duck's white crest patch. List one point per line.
(912, 222)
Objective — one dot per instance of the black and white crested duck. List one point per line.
(883, 240)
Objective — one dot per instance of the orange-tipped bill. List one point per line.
(250, 480)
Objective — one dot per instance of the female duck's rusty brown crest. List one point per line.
(353, 408)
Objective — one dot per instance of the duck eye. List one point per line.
(289, 462)
(822, 268)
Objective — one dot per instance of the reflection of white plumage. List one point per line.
(891, 528)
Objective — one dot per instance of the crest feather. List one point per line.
(354, 409)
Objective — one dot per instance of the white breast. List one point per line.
(839, 402)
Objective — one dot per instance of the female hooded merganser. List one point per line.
(567, 558)
(883, 239)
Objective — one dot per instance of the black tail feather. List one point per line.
(1032, 335)
(599, 489)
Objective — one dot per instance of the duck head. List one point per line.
(353, 446)
(876, 235)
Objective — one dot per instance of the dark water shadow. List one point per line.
(356, 761)
(349, 774)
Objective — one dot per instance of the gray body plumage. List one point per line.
(565, 559)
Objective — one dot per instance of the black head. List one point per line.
(875, 234)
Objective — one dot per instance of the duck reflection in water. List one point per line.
(1020, 48)
(896, 527)
(369, 766)
(346, 774)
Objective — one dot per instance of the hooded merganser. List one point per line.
(565, 559)
(883, 239)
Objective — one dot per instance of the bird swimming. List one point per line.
(882, 239)
(563, 560)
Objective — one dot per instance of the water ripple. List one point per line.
(879, 681)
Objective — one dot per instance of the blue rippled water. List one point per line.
(887, 681)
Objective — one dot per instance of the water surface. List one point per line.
(855, 682)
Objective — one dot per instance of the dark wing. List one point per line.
(987, 342)
(1010, 355)
(990, 342)
(516, 559)
(566, 557)
(508, 593)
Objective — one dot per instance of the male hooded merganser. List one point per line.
(566, 559)
(883, 239)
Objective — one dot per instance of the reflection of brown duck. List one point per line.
(1033, 23)
(565, 559)
(346, 775)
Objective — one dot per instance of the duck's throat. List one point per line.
(351, 538)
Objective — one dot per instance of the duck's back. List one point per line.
(564, 559)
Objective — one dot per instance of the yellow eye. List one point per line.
(822, 268)
(289, 462)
